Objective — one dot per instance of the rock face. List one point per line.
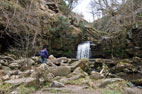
(46, 21)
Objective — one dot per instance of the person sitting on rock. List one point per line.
(44, 54)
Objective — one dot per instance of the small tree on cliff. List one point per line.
(61, 27)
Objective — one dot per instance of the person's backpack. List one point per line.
(42, 53)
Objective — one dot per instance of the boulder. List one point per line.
(133, 90)
(61, 60)
(105, 82)
(2, 62)
(6, 77)
(23, 64)
(0, 66)
(60, 70)
(23, 81)
(50, 76)
(5, 63)
(75, 77)
(36, 59)
(6, 69)
(99, 60)
(24, 61)
(25, 73)
(50, 62)
(14, 77)
(43, 67)
(51, 57)
(124, 67)
(137, 82)
(14, 92)
(79, 71)
(14, 65)
(83, 64)
(137, 60)
(57, 84)
(57, 61)
(1, 73)
(13, 72)
(64, 80)
(95, 75)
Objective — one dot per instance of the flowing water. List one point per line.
(84, 50)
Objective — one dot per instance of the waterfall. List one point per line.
(83, 50)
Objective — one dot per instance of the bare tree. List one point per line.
(72, 3)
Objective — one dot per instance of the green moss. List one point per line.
(110, 91)
(5, 88)
(25, 90)
(115, 88)
(8, 5)
(85, 59)
(76, 82)
(61, 91)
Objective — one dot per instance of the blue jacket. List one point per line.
(44, 53)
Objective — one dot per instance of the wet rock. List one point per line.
(24, 81)
(95, 75)
(137, 60)
(60, 70)
(137, 82)
(57, 84)
(105, 82)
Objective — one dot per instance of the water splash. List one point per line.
(83, 50)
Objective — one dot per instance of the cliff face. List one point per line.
(29, 24)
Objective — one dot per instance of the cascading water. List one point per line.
(83, 50)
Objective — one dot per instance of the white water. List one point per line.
(83, 50)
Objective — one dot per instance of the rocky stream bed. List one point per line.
(67, 76)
